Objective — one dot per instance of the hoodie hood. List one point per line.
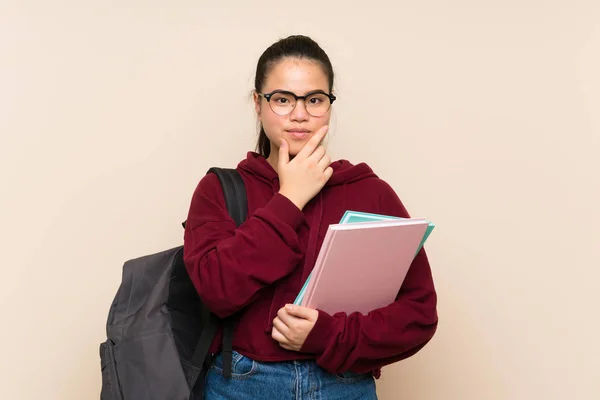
(343, 170)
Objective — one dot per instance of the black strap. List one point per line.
(200, 357)
(236, 202)
(234, 191)
(227, 347)
(206, 337)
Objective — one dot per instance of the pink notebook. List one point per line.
(361, 266)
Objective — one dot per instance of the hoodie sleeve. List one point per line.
(386, 335)
(229, 265)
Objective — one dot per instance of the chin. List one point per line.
(295, 149)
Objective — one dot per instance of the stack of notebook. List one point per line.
(363, 262)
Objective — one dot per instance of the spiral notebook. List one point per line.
(363, 262)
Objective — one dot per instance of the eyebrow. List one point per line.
(306, 94)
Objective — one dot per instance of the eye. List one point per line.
(282, 99)
(317, 99)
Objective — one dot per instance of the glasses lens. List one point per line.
(282, 103)
(318, 104)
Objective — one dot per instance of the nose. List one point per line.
(299, 112)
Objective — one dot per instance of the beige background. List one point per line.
(484, 115)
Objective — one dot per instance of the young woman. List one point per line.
(255, 271)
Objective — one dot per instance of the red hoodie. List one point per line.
(257, 268)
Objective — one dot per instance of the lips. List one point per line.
(298, 133)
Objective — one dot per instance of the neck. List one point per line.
(273, 159)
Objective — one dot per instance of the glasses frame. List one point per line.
(268, 96)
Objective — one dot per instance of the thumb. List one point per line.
(284, 153)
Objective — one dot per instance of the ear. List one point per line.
(257, 107)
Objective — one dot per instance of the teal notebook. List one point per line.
(351, 217)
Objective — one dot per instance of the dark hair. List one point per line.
(297, 46)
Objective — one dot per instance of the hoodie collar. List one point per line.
(343, 170)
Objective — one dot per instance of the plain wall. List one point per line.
(483, 115)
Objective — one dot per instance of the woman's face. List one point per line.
(298, 76)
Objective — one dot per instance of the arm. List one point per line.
(367, 342)
(230, 265)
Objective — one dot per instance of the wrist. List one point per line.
(325, 330)
(291, 198)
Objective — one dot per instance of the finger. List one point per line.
(328, 173)
(324, 162)
(278, 336)
(285, 346)
(318, 153)
(281, 327)
(285, 318)
(313, 142)
(300, 312)
(284, 153)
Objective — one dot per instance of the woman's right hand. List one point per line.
(303, 177)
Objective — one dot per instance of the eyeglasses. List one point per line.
(282, 102)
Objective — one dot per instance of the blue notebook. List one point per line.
(351, 217)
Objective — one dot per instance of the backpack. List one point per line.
(158, 330)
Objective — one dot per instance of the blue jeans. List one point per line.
(293, 380)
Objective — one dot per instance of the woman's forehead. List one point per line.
(299, 76)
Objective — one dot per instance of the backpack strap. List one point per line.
(234, 191)
(236, 201)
